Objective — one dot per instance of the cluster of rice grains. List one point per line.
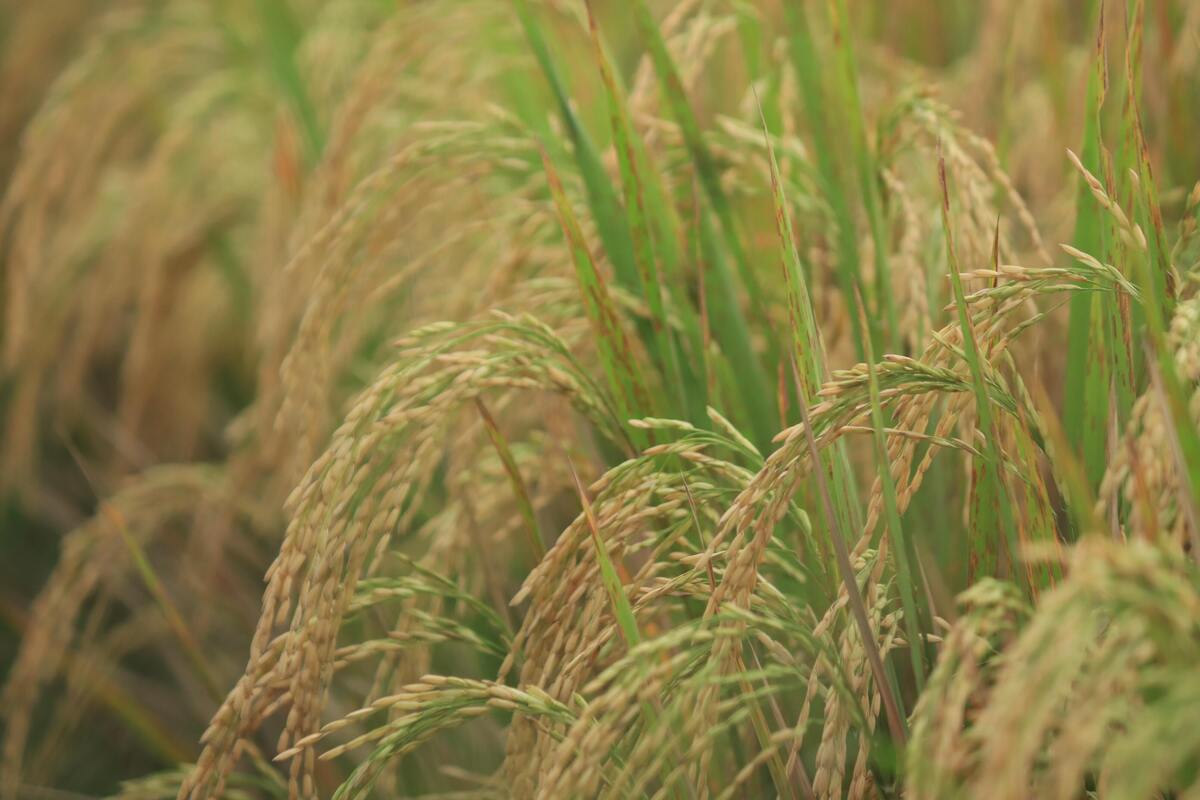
(561, 486)
(1092, 690)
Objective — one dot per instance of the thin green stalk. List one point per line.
(617, 357)
(175, 621)
(602, 199)
(808, 69)
(901, 547)
(895, 717)
(622, 610)
(991, 510)
(1081, 378)
(868, 172)
(702, 158)
(1155, 273)
(283, 35)
(806, 342)
(153, 584)
(637, 220)
(806, 338)
(732, 331)
(534, 532)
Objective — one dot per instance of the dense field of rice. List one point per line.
(599, 398)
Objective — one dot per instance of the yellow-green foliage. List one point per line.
(599, 398)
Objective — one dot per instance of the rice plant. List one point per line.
(600, 398)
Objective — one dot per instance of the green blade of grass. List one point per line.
(729, 325)
(1150, 212)
(536, 548)
(622, 610)
(615, 234)
(762, 732)
(645, 255)
(1122, 319)
(806, 342)
(602, 199)
(807, 347)
(868, 173)
(1037, 521)
(169, 610)
(756, 46)
(617, 357)
(666, 232)
(1067, 470)
(902, 550)
(1088, 238)
(283, 35)
(702, 158)
(808, 69)
(1096, 388)
(858, 609)
(1155, 273)
(731, 330)
(991, 512)
(153, 584)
